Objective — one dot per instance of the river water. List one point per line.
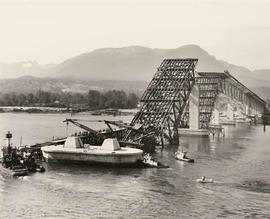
(239, 164)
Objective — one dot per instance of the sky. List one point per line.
(53, 31)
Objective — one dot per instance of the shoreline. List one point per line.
(57, 110)
(18, 109)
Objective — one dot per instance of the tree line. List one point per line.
(92, 100)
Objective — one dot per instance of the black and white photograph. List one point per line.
(134, 109)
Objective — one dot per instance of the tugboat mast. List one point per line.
(8, 137)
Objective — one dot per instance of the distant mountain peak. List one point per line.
(193, 48)
(190, 46)
(121, 49)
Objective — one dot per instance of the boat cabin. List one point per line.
(73, 142)
(109, 144)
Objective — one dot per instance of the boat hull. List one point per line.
(181, 158)
(189, 160)
(17, 172)
(126, 156)
(205, 181)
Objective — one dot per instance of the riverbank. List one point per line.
(114, 112)
(19, 109)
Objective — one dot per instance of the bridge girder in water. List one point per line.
(164, 101)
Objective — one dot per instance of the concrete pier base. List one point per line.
(228, 122)
(194, 132)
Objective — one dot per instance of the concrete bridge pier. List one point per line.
(247, 110)
(215, 127)
(194, 116)
(216, 119)
(194, 110)
(229, 120)
(230, 114)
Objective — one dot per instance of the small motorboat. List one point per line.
(36, 168)
(204, 180)
(40, 169)
(148, 161)
(182, 156)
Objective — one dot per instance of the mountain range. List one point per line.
(30, 84)
(136, 65)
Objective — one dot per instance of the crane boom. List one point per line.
(84, 127)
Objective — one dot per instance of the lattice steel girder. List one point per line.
(209, 87)
(165, 98)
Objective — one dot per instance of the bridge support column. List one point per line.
(215, 127)
(194, 110)
(230, 112)
(194, 116)
(247, 110)
(230, 115)
(216, 120)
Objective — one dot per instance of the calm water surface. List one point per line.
(239, 163)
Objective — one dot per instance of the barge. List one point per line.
(110, 153)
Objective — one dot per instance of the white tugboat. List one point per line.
(110, 152)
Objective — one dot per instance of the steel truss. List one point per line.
(209, 88)
(164, 101)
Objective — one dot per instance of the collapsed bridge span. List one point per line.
(164, 101)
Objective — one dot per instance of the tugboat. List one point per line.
(11, 161)
(16, 163)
